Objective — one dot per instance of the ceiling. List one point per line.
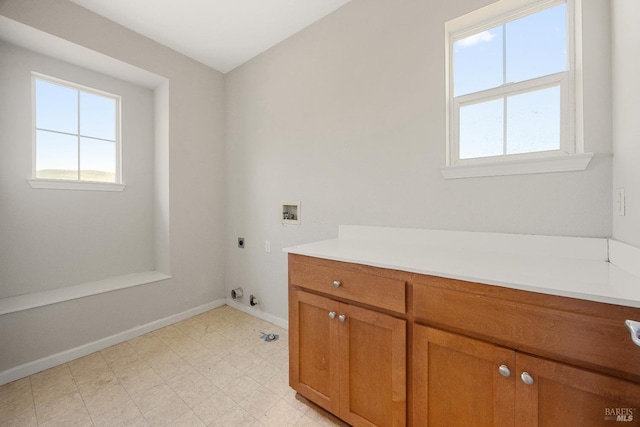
(219, 33)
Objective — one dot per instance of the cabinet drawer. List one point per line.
(579, 332)
(370, 289)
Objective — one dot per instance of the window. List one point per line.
(512, 92)
(76, 135)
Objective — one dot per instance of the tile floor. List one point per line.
(210, 370)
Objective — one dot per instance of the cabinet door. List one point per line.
(372, 368)
(457, 381)
(313, 349)
(562, 395)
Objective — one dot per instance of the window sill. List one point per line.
(562, 163)
(55, 184)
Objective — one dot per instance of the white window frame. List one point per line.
(68, 184)
(571, 155)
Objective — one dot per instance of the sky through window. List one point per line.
(76, 134)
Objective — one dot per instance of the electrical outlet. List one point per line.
(620, 201)
(241, 242)
(267, 246)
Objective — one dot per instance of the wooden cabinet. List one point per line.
(459, 381)
(582, 333)
(380, 347)
(372, 364)
(313, 349)
(348, 359)
(562, 395)
(456, 381)
(349, 282)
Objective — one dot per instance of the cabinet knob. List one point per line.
(342, 318)
(332, 315)
(634, 329)
(526, 378)
(504, 371)
(336, 283)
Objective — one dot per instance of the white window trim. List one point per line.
(67, 184)
(63, 184)
(571, 155)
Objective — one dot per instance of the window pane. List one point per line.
(481, 129)
(56, 107)
(477, 62)
(56, 156)
(537, 45)
(97, 116)
(533, 121)
(97, 160)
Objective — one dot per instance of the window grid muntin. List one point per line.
(502, 92)
(568, 143)
(79, 89)
(506, 17)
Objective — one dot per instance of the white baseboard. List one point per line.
(256, 312)
(68, 355)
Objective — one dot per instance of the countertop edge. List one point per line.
(611, 291)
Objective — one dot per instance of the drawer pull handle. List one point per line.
(634, 329)
(336, 283)
(342, 318)
(526, 378)
(504, 371)
(332, 315)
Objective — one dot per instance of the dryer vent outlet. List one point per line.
(236, 293)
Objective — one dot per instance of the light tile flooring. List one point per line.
(212, 369)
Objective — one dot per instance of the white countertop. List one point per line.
(563, 266)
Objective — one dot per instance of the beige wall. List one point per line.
(626, 116)
(196, 192)
(51, 238)
(348, 116)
